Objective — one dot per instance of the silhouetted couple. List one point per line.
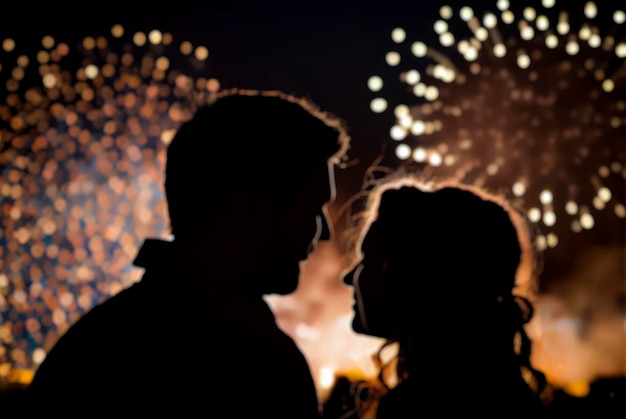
(247, 182)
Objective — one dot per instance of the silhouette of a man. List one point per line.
(247, 181)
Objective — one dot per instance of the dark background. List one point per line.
(323, 50)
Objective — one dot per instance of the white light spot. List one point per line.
(446, 39)
(398, 35)
(571, 208)
(534, 214)
(466, 13)
(584, 33)
(440, 27)
(481, 34)
(419, 89)
(572, 48)
(406, 121)
(595, 40)
(552, 41)
(591, 11)
(435, 159)
(549, 218)
(419, 49)
(604, 194)
(412, 77)
(445, 12)
(523, 61)
(419, 154)
(397, 133)
(499, 50)
(527, 33)
(598, 203)
(471, 54)
(562, 27)
(542, 23)
(375, 83)
(378, 105)
(400, 111)
(508, 17)
(587, 221)
(540, 242)
(431, 93)
(545, 197)
(418, 127)
(608, 85)
(490, 21)
(91, 71)
(519, 188)
(392, 58)
(552, 240)
(530, 13)
(155, 37)
(49, 80)
(403, 151)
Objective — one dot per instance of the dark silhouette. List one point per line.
(606, 400)
(247, 182)
(437, 273)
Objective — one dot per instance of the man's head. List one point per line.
(255, 167)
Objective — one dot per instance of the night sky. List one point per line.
(323, 50)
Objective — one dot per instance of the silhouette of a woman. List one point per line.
(436, 275)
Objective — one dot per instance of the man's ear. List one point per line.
(249, 210)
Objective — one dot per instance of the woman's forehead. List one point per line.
(370, 237)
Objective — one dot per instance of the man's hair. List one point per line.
(266, 139)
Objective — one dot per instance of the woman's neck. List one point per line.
(491, 360)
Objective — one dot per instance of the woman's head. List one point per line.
(422, 246)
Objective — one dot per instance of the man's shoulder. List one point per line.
(95, 327)
(115, 309)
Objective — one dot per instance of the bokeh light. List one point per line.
(527, 101)
(83, 133)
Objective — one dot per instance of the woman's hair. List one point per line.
(422, 208)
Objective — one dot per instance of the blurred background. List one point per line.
(526, 99)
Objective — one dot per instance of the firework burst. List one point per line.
(83, 133)
(520, 102)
